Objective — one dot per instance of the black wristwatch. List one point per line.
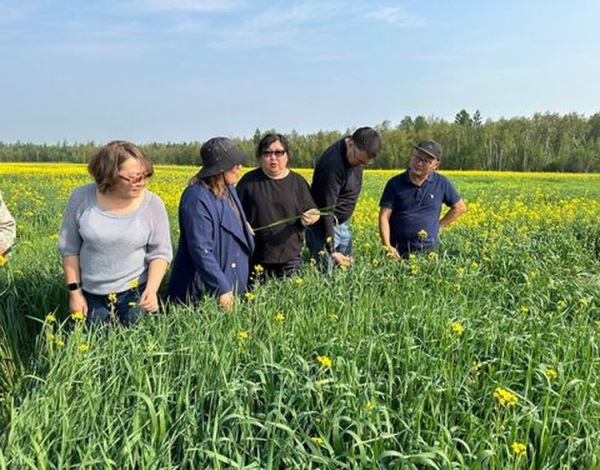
(73, 286)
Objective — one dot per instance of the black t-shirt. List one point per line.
(267, 200)
(336, 183)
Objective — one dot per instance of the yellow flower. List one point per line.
(375, 262)
(112, 298)
(519, 448)
(244, 335)
(561, 305)
(50, 318)
(298, 281)
(317, 440)
(249, 296)
(370, 406)
(333, 317)
(313, 262)
(84, 347)
(3, 261)
(258, 269)
(505, 398)
(551, 374)
(524, 310)
(59, 343)
(474, 265)
(584, 303)
(328, 240)
(457, 328)
(412, 257)
(325, 361)
(422, 234)
(280, 317)
(432, 255)
(134, 284)
(414, 268)
(77, 316)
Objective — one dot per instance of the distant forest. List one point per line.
(543, 142)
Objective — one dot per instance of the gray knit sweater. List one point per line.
(114, 250)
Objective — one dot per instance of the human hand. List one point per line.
(310, 216)
(149, 301)
(341, 260)
(227, 301)
(77, 302)
(392, 252)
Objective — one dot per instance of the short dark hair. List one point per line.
(367, 139)
(105, 164)
(268, 139)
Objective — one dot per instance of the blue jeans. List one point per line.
(125, 308)
(342, 243)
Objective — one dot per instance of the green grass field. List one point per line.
(486, 356)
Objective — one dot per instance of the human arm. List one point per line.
(77, 302)
(384, 231)
(197, 221)
(159, 253)
(326, 189)
(455, 211)
(156, 271)
(69, 245)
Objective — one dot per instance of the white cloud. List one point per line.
(395, 16)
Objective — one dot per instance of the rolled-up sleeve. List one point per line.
(159, 241)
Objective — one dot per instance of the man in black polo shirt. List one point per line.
(411, 204)
(336, 184)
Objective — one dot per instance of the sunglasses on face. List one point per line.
(135, 179)
(274, 153)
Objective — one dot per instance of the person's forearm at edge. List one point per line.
(453, 213)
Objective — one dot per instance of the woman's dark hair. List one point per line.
(268, 139)
(106, 163)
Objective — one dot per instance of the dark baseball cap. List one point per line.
(218, 155)
(431, 148)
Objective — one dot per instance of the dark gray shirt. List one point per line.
(113, 249)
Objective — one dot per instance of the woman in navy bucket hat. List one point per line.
(215, 242)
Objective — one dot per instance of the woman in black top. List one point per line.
(273, 193)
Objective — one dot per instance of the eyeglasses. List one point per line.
(135, 179)
(275, 153)
(423, 159)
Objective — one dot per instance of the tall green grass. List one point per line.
(407, 388)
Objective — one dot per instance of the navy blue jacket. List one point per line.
(214, 249)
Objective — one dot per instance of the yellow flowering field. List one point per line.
(486, 355)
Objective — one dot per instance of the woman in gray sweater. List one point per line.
(115, 239)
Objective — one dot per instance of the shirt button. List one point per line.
(233, 265)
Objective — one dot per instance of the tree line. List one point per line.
(542, 142)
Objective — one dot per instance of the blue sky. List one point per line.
(182, 70)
